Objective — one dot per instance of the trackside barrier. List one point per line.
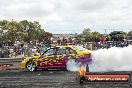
(10, 63)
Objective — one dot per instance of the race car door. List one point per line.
(48, 58)
(63, 55)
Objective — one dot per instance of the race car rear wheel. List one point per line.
(31, 66)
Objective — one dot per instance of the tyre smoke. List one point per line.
(105, 60)
(112, 59)
(72, 65)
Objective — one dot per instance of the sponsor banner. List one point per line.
(107, 78)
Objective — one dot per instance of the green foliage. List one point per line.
(118, 35)
(21, 31)
(89, 36)
(86, 31)
(96, 34)
(79, 39)
(130, 34)
(86, 35)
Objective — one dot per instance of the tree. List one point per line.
(21, 31)
(129, 34)
(87, 34)
(96, 34)
(79, 39)
(35, 32)
(86, 31)
(9, 30)
(117, 35)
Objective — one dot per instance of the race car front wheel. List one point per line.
(31, 66)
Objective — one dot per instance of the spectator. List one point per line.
(58, 41)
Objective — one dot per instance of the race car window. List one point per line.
(51, 51)
(61, 51)
(71, 51)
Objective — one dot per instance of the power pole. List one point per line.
(105, 31)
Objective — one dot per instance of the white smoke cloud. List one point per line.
(74, 66)
(105, 60)
(113, 59)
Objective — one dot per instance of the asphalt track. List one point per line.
(50, 79)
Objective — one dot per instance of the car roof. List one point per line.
(65, 46)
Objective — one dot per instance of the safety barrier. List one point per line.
(10, 63)
(4, 60)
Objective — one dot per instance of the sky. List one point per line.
(71, 16)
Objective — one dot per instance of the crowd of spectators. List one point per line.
(101, 43)
(65, 41)
(22, 49)
(109, 44)
(28, 49)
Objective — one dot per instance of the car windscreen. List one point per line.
(80, 48)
